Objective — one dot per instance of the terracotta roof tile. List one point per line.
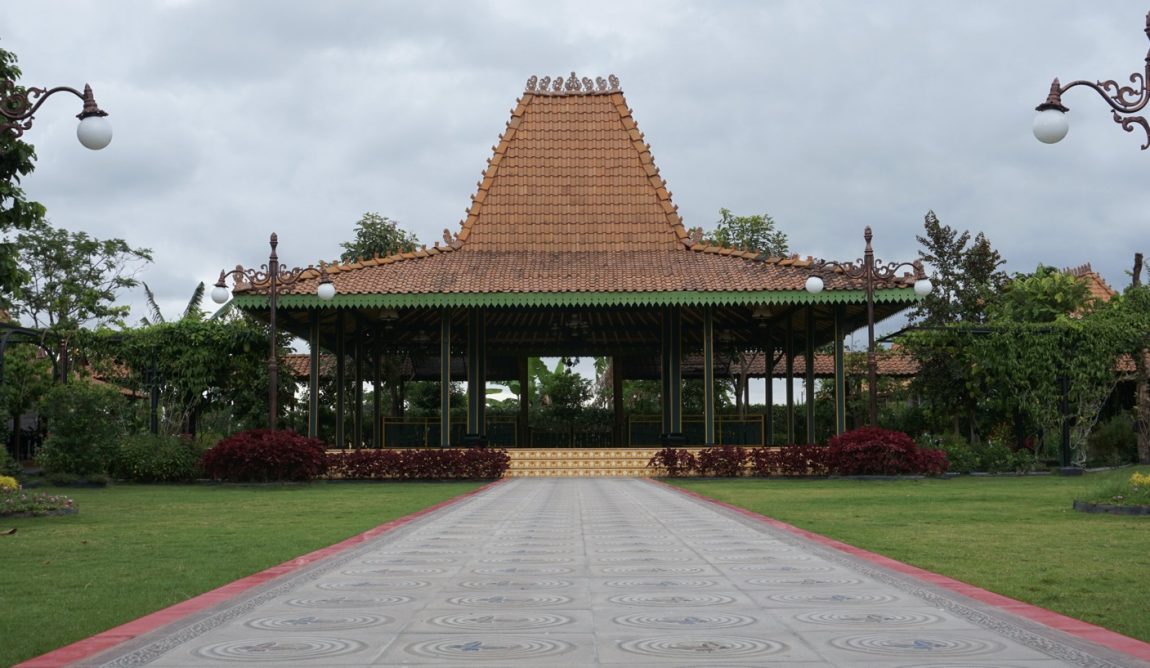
(571, 200)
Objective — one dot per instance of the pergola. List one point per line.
(571, 247)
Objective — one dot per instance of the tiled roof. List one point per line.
(571, 201)
(1096, 286)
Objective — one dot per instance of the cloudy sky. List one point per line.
(236, 119)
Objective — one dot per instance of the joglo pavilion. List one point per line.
(571, 246)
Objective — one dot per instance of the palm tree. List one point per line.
(193, 311)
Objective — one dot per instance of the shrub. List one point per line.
(9, 466)
(789, 460)
(724, 461)
(676, 461)
(962, 457)
(84, 427)
(262, 455)
(995, 458)
(150, 458)
(429, 464)
(876, 451)
(9, 484)
(1113, 442)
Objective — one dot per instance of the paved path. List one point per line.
(584, 572)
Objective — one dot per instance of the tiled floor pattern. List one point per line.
(585, 572)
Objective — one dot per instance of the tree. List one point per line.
(74, 278)
(1047, 295)
(754, 233)
(377, 235)
(964, 277)
(16, 212)
(193, 311)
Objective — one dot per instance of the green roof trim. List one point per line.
(558, 299)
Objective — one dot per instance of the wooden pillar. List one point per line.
(840, 372)
(313, 375)
(445, 379)
(769, 393)
(476, 376)
(523, 430)
(340, 381)
(709, 376)
(621, 435)
(357, 391)
(376, 388)
(665, 372)
(789, 348)
(809, 358)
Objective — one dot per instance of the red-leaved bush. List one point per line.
(262, 455)
(723, 461)
(421, 464)
(876, 451)
(789, 460)
(676, 461)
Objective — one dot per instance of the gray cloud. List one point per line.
(237, 119)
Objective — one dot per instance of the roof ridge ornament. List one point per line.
(572, 85)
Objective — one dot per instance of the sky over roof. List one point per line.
(234, 120)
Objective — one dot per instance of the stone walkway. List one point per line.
(601, 572)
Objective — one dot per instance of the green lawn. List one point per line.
(1014, 536)
(135, 549)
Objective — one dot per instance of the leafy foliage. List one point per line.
(160, 458)
(263, 455)
(964, 276)
(429, 464)
(789, 460)
(85, 423)
(197, 365)
(723, 461)
(74, 278)
(754, 233)
(1047, 295)
(16, 211)
(676, 462)
(377, 236)
(876, 451)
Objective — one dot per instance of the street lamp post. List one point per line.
(18, 107)
(1051, 124)
(273, 276)
(870, 270)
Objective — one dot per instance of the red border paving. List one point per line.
(88, 647)
(1068, 625)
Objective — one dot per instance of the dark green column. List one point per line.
(476, 376)
(523, 427)
(376, 387)
(809, 358)
(769, 393)
(357, 391)
(789, 348)
(708, 377)
(445, 379)
(621, 435)
(840, 372)
(340, 381)
(313, 375)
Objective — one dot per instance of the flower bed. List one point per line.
(20, 503)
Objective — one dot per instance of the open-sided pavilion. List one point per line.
(571, 246)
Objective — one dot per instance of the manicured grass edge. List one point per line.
(101, 642)
(1069, 625)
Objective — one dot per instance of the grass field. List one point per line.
(135, 549)
(1014, 536)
